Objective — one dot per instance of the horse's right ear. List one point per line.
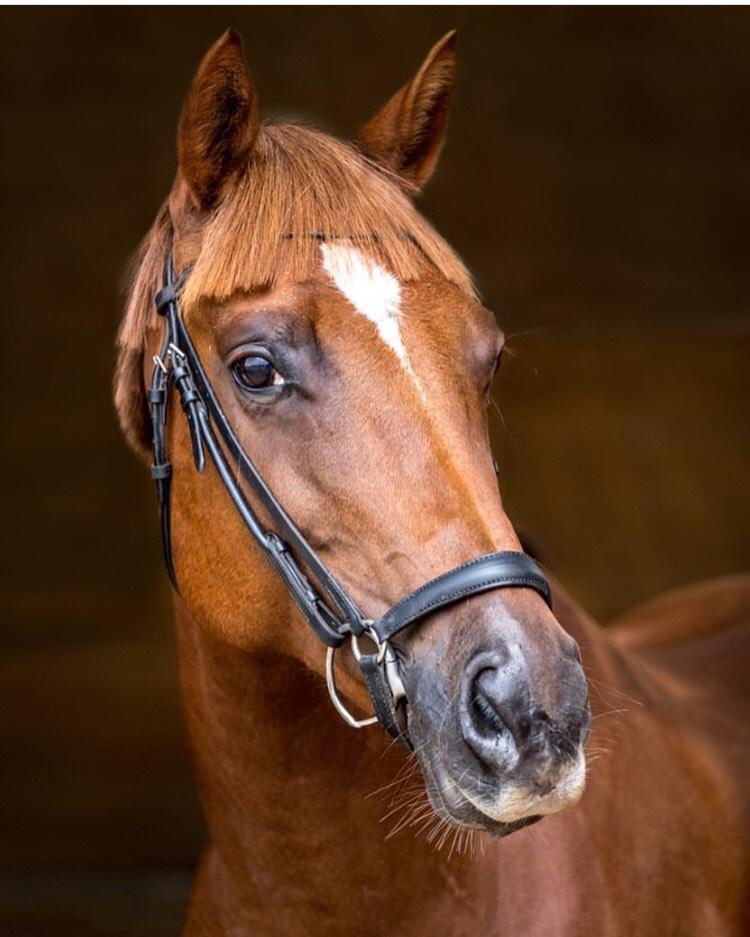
(219, 121)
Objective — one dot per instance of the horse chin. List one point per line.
(496, 813)
(473, 819)
(451, 804)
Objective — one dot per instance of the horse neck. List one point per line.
(286, 789)
(288, 793)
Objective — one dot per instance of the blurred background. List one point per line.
(596, 180)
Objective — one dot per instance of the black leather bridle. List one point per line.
(320, 598)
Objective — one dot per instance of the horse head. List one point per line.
(353, 359)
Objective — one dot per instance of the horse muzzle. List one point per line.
(500, 741)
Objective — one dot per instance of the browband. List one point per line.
(323, 602)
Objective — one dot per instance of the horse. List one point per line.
(344, 347)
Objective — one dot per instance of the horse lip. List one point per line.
(531, 798)
(473, 818)
(460, 810)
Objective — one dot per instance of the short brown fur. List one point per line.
(394, 491)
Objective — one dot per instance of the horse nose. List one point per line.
(500, 720)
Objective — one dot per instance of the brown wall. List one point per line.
(596, 180)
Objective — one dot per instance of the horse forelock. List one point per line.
(300, 188)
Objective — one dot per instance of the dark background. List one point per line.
(596, 179)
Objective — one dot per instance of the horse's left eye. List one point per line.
(254, 372)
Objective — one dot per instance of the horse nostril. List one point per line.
(484, 711)
(492, 704)
(502, 722)
(490, 710)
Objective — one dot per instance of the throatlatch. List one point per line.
(322, 601)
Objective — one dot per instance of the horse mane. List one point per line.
(300, 187)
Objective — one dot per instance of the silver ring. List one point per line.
(381, 647)
(336, 700)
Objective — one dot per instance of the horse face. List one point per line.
(364, 403)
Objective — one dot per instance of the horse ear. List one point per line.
(219, 121)
(407, 134)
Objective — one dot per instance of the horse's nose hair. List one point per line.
(500, 721)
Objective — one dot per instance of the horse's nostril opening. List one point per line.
(484, 711)
(485, 714)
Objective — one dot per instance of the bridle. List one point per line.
(324, 604)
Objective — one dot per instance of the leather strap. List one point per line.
(351, 615)
(382, 698)
(198, 400)
(492, 571)
(161, 468)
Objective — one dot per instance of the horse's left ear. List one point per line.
(407, 134)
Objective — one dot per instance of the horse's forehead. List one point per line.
(397, 310)
(373, 292)
(370, 289)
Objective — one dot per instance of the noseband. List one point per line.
(320, 598)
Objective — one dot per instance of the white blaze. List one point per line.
(373, 292)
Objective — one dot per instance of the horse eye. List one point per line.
(255, 373)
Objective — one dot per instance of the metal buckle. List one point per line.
(393, 675)
(160, 364)
(386, 658)
(381, 648)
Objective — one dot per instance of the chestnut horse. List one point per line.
(353, 359)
